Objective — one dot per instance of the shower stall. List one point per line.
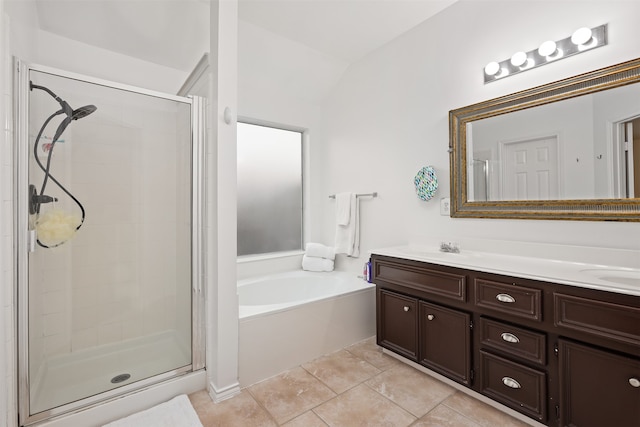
(108, 184)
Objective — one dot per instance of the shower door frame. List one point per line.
(22, 72)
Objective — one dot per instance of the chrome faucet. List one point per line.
(449, 247)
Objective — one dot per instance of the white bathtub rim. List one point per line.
(248, 312)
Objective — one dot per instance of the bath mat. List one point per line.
(177, 412)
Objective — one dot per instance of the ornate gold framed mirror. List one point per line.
(565, 150)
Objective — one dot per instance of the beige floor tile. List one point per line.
(443, 416)
(341, 370)
(200, 398)
(308, 419)
(369, 351)
(411, 389)
(239, 411)
(361, 406)
(290, 394)
(480, 412)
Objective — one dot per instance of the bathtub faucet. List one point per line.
(449, 247)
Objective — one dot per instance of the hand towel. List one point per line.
(348, 236)
(343, 208)
(316, 264)
(319, 250)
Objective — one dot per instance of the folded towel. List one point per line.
(316, 264)
(343, 208)
(348, 236)
(319, 250)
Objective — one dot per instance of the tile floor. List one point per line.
(355, 386)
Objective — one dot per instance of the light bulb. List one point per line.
(518, 59)
(491, 68)
(581, 36)
(547, 48)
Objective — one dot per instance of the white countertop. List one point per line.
(605, 277)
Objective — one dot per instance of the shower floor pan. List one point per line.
(75, 376)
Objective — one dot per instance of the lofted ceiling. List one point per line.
(175, 33)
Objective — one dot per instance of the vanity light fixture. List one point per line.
(581, 40)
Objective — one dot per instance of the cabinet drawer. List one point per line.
(515, 385)
(613, 321)
(510, 299)
(448, 285)
(516, 341)
(397, 327)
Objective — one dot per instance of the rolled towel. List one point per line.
(316, 264)
(319, 250)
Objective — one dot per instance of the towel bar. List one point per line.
(374, 194)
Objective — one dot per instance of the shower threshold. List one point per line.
(75, 376)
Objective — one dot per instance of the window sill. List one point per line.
(272, 255)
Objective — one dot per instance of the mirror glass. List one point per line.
(565, 150)
(581, 148)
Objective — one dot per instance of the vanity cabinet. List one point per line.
(591, 380)
(562, 355)
(445, 341)
(397, 327)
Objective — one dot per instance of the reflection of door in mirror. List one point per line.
(627, 152)
(530, 169)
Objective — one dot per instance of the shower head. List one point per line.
(66, 109)
(83, 112)
(75, 115)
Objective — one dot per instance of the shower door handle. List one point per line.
(31, 240)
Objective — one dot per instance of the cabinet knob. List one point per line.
(634, 382)
(510, 382)
(430, 316)
(508, 337)
(406, 308)
(505, 298)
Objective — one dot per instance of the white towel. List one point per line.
(316, 264)
(343, 208)
(319, 250)
(177, 412)
(348, 236)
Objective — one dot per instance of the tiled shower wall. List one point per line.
(102, 287)
(7, 335)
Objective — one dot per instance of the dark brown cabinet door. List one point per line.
(445, 341)
(598, 388)
(397, 327)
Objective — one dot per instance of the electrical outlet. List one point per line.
(445, 208)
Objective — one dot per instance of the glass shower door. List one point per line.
(110, 235)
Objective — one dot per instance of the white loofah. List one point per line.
(56, 226)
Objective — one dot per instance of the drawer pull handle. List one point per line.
(431, 317)
(505, 298)
(506, 336)
(406, 308)
(634, 382)
(510, 382)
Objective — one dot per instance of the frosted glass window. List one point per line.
(269, 190)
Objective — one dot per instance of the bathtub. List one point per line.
(291, 318)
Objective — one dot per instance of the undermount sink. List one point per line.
(614, 275)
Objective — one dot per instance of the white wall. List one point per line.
(283, 82)
(388, 117)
